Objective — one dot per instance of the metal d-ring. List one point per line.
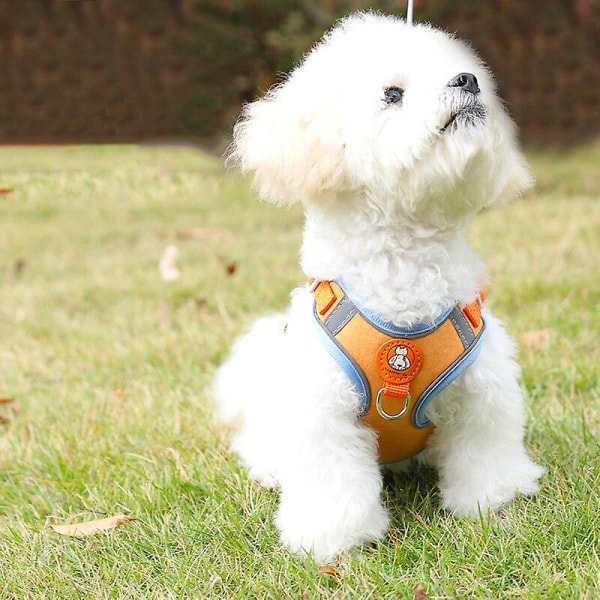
(385, 414)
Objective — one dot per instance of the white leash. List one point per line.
(409, 12)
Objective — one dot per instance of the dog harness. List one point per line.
(396, 372)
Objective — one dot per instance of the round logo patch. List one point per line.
(398, 361)
(400, 357)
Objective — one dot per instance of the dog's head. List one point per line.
(405, 116)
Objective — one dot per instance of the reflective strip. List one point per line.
(340, 315)
(464, 330)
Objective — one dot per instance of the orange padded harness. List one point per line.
(397, 372)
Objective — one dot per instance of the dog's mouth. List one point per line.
(471, 115)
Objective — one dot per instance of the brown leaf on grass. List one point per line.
(91, 527)
(5, 191)
(329, 570)
(231, 268)
(419, 593)
(19, 266)
(535, 339)
(8, 409)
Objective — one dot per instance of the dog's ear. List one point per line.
(518, 179)
(288, 146)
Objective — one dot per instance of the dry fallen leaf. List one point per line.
(6, 191)
(19, 266)
(8, 409)
(536, 339)
(419, 593)
(91, 527)
(231, 268)
(166, 266)
(329, 570)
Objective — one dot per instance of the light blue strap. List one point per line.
(347, 363)
(465, 360)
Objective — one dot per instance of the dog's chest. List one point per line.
(396, 372)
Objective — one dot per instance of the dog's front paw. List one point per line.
(265, 480)
(478, 493)
(327, 532)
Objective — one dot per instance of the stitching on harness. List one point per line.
(345, 304)
(459, 331)
(345, 322)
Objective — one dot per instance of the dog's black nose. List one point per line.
(466, 82)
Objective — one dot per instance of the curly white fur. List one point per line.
(389, 189)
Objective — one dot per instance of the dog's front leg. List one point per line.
(478, 446)
(331, 486)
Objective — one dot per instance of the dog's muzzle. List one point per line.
(467, 108)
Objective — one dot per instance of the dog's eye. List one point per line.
(393, 95)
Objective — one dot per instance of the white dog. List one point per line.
(393, 138)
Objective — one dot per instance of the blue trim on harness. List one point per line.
(358, 379)
(444, 380)
(350, 368)
(387, 327)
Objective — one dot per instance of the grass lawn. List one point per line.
(105, 370)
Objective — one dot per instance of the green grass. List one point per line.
(109, 368)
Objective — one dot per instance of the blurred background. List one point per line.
(76, 71)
